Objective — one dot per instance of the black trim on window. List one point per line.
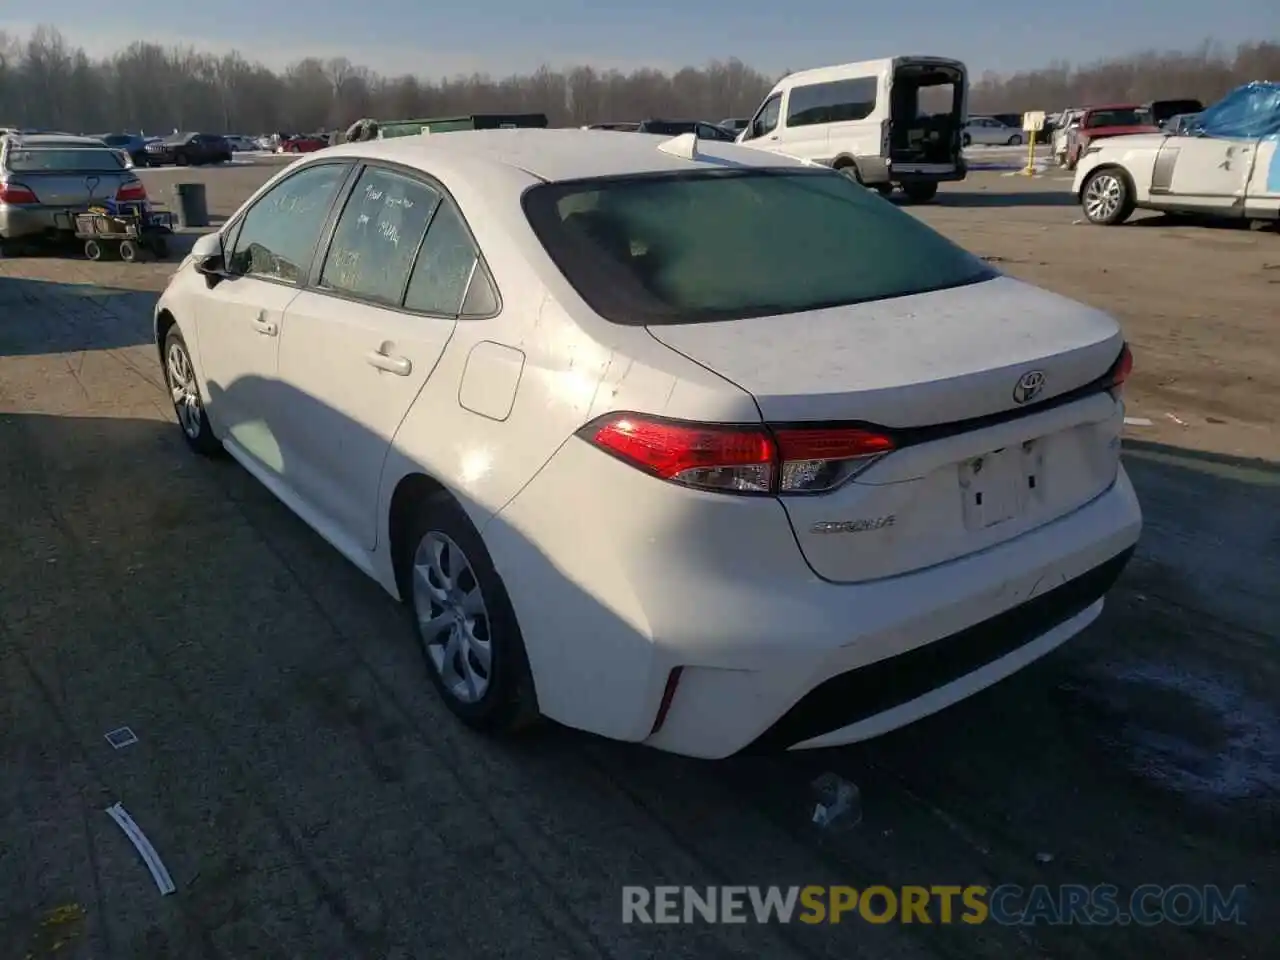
(322, 252)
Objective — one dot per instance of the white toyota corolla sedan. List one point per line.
(686, 444)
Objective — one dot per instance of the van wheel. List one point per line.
(920, 192)
(850, 170)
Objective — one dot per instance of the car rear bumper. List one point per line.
(654, 579)
(35, 221)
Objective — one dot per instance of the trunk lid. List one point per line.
(940, 371)
(72, 189)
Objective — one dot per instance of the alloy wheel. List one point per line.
(183, 389)
(1102, 197)
(453, 620)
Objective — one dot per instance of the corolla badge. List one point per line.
(854, 526)
(1028, 386)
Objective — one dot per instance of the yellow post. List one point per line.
(1031, 155)
(1032, 123)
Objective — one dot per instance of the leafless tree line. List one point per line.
(48, 83)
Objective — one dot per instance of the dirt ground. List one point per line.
(312, 799)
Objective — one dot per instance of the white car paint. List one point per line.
(864, 142)
(1220, 176)
(989, 132)
(627, 587)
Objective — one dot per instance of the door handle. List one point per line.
(773, 136)
(265, 326)
(380, 359)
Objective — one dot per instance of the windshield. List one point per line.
(723, 245)
(72, 160)
(1119, 117)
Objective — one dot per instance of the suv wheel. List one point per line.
(1107, 197)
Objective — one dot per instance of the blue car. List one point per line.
(130, 143)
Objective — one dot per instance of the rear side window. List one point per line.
(378, 236)
(723, 245)
(445, 265)
(72, 160)
(834, 102)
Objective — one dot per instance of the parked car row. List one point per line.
(1081, 126)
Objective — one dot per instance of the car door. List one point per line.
(362, 341)
(1203, 171)
(268, 252)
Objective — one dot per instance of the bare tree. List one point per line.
(47, 83)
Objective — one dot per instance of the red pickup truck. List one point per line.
(1113, 121)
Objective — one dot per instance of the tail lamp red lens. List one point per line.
(739, 459)
(16, 193)
(1120, 370)
(133, 192)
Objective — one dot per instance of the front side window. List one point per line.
(1120, 117)
(378, 236)
(766, 120)
(277, 237)
(724, 245)
(834, 102)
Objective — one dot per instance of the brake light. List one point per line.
(133, 192)
(16, 193)
(739, 459)
(1120, 371)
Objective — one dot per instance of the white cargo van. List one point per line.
(884, 122)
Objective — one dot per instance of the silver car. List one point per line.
(46, 179)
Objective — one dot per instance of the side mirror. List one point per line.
(207, 256)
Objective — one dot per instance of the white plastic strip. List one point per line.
(148, 853)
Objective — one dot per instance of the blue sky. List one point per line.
(443, 37)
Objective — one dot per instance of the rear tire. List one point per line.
(128, 251)
(463, 619)
(93, 250)
(1015, 140)
(920, 192)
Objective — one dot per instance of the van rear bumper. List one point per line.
(925, 172)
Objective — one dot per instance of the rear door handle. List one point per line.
(400, 366)
(265, 326)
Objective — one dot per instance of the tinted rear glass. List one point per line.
(1122, 117)
(70, 160)
(723, 245)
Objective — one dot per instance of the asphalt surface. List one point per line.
(311, 798)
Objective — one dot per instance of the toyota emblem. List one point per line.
(1029, 386)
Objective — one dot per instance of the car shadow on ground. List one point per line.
(996, 198)
(44, 317)
(1147, 750)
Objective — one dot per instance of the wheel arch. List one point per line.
(164, 322)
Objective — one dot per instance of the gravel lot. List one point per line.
(312, 799)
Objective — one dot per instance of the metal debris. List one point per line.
(839, 802)
(159, 873)
(1137, 422)
(121, 737)
(1181, 423)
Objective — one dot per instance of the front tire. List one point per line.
(1107, 197)
(464, 621)
(184, 391)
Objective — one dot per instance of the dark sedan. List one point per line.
(189, 149)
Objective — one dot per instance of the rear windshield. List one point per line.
(1122, 117)
(68, 160)
(724, 245)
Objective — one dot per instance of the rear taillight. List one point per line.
(16, 193)
(1120, 371)
(133, 192)
(739, 459)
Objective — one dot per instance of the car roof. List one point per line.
(1114, 106)
(556, 154)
